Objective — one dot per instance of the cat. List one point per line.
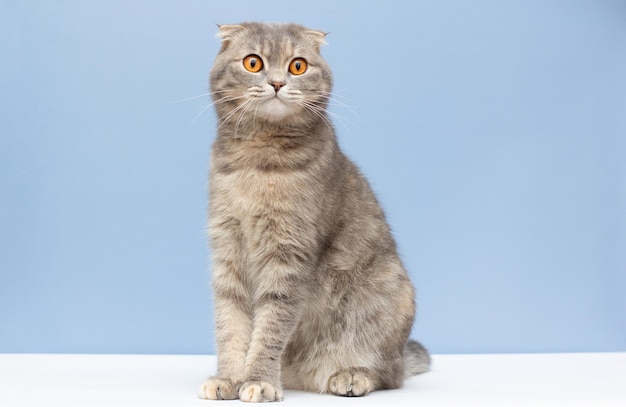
(309, 290)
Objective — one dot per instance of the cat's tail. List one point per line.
(416, 358)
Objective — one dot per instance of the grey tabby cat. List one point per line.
(309, 290)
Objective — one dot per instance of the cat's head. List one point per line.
(270, 72)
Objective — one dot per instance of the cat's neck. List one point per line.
(273, 147)
(270, 132)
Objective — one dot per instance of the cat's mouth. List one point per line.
(275, 107)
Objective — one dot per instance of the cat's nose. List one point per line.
(277, 85)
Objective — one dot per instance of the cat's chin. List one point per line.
(275, 110)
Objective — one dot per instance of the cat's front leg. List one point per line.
(216, 388)
(232, 331)
(233, 314)
(278, 306)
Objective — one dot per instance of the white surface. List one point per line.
(586, 379)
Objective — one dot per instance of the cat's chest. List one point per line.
(246, 193)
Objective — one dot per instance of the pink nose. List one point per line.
(277, 85)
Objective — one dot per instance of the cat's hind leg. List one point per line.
(372, 324)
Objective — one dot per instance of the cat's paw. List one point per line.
(218, 389)
(350, 383)
(258, 392)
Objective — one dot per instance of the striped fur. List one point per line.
(309, 290)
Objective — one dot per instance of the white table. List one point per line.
(552, 380)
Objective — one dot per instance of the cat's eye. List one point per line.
(253, 63)
(297, 66)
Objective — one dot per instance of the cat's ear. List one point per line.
(319, 37)
(227, 32)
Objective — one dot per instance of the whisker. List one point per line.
(191, 98)
(316, 110)
(200, 113)
(342, 120)
(256, 110)
(198, 96)
(226, 118)
(243, 112)
(334, 99)
(334, 93)
(220, 100)
(225, 99)
(331, 97)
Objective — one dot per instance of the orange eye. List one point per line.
(253, 63)
(297, 66)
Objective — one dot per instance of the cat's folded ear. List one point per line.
(319, 37)
(227, 32)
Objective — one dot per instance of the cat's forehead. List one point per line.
(274, 43)
(272, 39)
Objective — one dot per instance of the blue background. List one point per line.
(494, 133)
